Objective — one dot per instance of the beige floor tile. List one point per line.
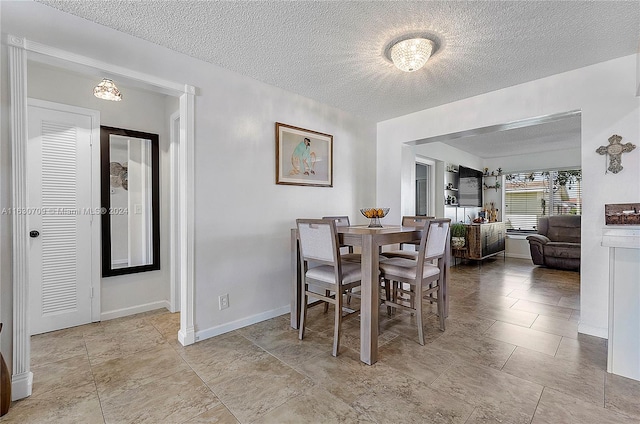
(171, 399)
(216, 415)
(403, 401)
(582, 382)
(56, 346)
(489, 388)
(484, 299)
(61, 375)
(104, 346)
(315, 405)
(534, 297)
(468, 324)
(119, 375)
(292, 351)
(556, 407)
(558, 326)
(222, 355)
(498, 414)
(79, 404)
(350, 337)
(542, 309)
(587, 350)
(278, 338)
(423, 363)
(570, 301)
(474, 348)
(263, 384)
(167, 324)
(524, 337)
(622, 395)
(511, 316)
(346, 376)
(122, 325)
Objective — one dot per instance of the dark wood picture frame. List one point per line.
(105, 195)
(303, 157)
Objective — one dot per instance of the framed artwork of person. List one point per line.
(303, 157)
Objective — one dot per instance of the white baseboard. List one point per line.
(21, 385)
(132, 310)
(590, 330)
(234, 325)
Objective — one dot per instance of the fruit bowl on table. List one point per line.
(374, 214)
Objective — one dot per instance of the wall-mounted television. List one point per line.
(470, 187)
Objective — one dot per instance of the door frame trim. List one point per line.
(18, 48)
(95, 192)
(174, 211)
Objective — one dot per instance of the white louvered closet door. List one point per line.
(59, 197)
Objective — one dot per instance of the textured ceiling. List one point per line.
(548, 137)
(334, 51)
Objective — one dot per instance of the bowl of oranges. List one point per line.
(375, 214)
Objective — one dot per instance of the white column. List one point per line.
(186, 335)
(22, 378)
(624, 301)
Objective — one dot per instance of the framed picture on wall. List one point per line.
(303, 157)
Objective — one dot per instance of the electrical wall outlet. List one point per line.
(223, 301)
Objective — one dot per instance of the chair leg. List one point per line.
(326, 304)
(303, 316)
(349, 296)
(412, 298)
(387, 294)
(337, 323)
(418, 299)
(441, 306)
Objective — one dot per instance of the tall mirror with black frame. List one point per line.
(130, 208)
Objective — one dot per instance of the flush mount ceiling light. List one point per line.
(107, 90)
(411, 54)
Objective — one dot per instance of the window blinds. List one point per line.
(531, 195)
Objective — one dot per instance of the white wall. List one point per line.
(444, 154)
(141, 111)
(517, 246)
(556, 159)
(638, 72)
(605, 93)
(242, 218)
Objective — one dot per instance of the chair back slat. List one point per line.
(341, 221)
(415, 221)
(317, 239)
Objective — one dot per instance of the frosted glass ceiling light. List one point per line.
(107, 90)
(411, 55)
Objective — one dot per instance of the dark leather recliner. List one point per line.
(557, 244)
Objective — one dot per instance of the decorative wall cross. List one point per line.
(615, 149)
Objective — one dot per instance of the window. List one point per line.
(530, 195)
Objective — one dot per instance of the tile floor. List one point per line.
(511, 354)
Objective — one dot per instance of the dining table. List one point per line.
(369, 240)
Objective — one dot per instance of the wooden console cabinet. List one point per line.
(483, 241)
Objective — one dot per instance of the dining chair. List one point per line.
(324, 271)
(409, 221)
(343, 221)
(423, 277)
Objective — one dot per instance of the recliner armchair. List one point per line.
(557, 244)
